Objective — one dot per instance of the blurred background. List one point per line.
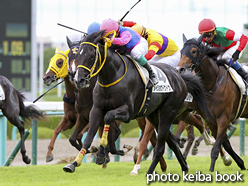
(29, 32)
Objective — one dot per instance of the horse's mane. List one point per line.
(213, 53)
(96, 37)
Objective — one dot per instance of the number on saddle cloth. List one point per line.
(2, 95)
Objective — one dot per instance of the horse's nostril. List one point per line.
(46, 77)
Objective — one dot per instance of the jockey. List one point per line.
(232, 42)
(136, 45)
(160, 48)
(93, 27)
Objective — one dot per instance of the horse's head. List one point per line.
(74, 47)
(191, 54)
(88, 57)
(58, 67)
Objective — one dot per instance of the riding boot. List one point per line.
(242, 72)
(152, 76)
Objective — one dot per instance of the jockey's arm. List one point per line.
(128, 23)
(231, 35)
(154, 47)
(124, 38)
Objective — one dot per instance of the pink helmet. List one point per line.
(109, 25)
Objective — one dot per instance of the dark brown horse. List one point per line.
(77, 104)
(224, 96)
(13, 108)
(58, 69)
(119, 95)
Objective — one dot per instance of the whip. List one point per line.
(48, 91)
(129, 10)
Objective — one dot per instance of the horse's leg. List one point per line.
(102, 155)
(191, 138)
(64, 125)
(14, 119)
(81, 123)
(164, 120)
(149, 133)
(93, 126)
(231, 152)
(141, 123)
(198, 141)
(181, 127)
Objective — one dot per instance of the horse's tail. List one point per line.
(28, 112)
(195, 88)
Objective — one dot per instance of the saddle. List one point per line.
(243, 90)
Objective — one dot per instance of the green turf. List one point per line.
(116, 174)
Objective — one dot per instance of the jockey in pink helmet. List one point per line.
(135, 44)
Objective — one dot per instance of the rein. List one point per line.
(98, 55)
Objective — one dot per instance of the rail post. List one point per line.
(117, 144)
(3, 138)
(242, 136)
(34, 141)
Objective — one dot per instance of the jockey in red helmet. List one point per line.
(232, 42)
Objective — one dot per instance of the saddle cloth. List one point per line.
(243, 90)
(2, 95)
(163, 86)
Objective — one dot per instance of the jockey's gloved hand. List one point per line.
(235, 55)
(120, 22)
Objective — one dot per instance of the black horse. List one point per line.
(119, 95)
(13, 107)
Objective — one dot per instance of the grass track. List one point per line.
(116, 174)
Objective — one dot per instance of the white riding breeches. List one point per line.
(172, 60)
(140, 49)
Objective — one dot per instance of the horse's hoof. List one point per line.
(194, 151)
(27, 160)
(93, 149)
(126, 149)
(107, 160)
(134, 173)
(49, 158)
(69, 168)
(104, 166)
(187, 170)
(100, 160)
(226, 160)
(135, 170)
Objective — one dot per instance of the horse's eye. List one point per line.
(92, 57)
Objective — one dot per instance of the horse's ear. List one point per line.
(56, 50)
(69, 43)
(184, 39)
(199, 40)
(99, 37)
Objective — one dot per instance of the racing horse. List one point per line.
(13, 108)
(119, 95)
(224, 95)
(56, 70)
(77, 104)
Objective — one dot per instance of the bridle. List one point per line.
(198, 60)
(92, 70)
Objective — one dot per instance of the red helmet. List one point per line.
(206, 25)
